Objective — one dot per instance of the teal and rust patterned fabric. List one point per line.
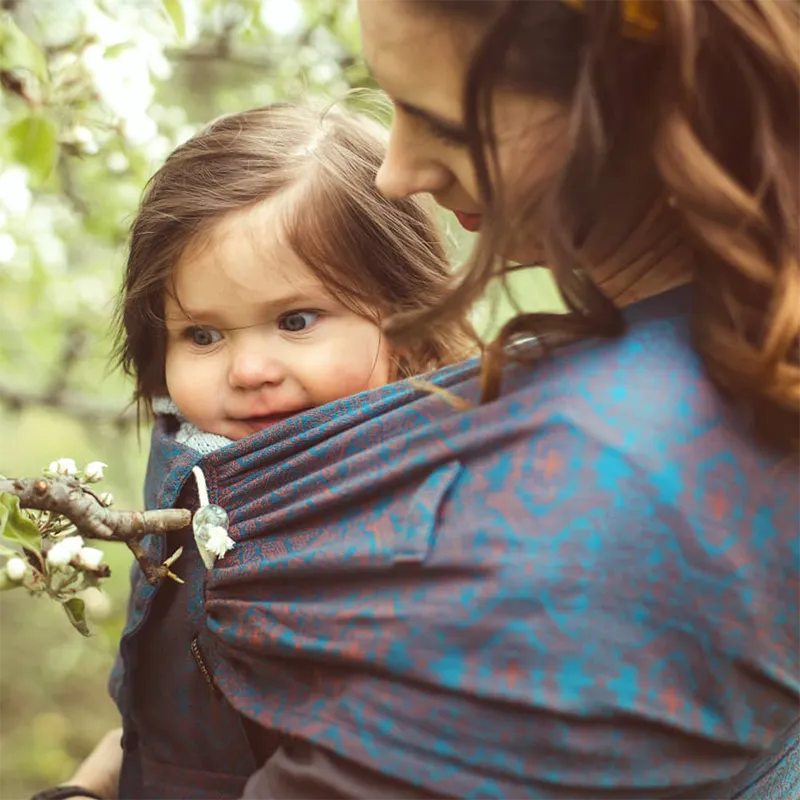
(588, 588)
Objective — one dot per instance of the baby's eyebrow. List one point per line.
(219, 318)
(176, 319)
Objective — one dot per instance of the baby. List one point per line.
(263, 263)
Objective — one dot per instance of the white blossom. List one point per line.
(117, 162)
(61, 553)
(93, 471)
(107, 498)
(16, 568)
(281, 16)
(84, 139)
(64, 466)
(15, 196)
(218, 542)
(8, 247)
(90, 557)
(98, 604)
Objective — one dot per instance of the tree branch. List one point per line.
(68, 188)
(73, 347)
(93, 520)
(215, 54)
(82, 408)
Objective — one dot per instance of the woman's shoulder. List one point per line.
(641, 407)
(645, 393)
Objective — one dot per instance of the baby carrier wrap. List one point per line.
(591, 582)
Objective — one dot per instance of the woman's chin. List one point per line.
(526, 258)
(525, 253)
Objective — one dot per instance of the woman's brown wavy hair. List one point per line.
(378, 257)
(683, 156)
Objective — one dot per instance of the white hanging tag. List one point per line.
(210, 525)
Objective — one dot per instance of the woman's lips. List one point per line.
(470, 222)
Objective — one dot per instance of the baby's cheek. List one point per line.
(340, 375)
(372, 371)
(188, 388)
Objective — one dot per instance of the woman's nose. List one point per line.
(406, 171)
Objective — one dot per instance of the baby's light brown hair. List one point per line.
(376, 256)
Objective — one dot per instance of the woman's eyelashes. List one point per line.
(453, 137)
(449, 133)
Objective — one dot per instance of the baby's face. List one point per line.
(253, 337)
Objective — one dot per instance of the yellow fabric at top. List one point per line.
(640, 18)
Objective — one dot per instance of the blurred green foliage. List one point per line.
(53, 700)
(95, 94)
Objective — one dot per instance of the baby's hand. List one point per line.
(99, 772)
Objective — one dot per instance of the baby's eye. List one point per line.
(203, 337)
(296, 321)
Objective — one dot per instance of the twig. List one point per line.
(221, 55)
(68, 188)
(73, 347)
(93, 520)
(78, 406)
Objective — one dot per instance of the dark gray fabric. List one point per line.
(301, 770)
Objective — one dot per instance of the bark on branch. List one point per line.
(80, 407)
(93, 520)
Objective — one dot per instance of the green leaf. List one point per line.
(76, 613)
(177, 16)
(33, 143)
(15, 526)
(19, 51)
(9, 552)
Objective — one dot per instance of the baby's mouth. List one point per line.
(262, 422)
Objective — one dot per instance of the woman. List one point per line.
(635, 147)
(587, 586)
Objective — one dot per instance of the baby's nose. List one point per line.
(251, 370)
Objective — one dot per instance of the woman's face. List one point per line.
(420, 58)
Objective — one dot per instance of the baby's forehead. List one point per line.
(258, 227)
(221, 274)
(305, 238)
(262, 224)
(245, 258)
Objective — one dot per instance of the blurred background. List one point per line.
(95, 94)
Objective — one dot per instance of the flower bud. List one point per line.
(93, 471)
(64, 466)
(83, 140)
(16, 569)
(90, 557)
(98, 604)
(61, 553)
